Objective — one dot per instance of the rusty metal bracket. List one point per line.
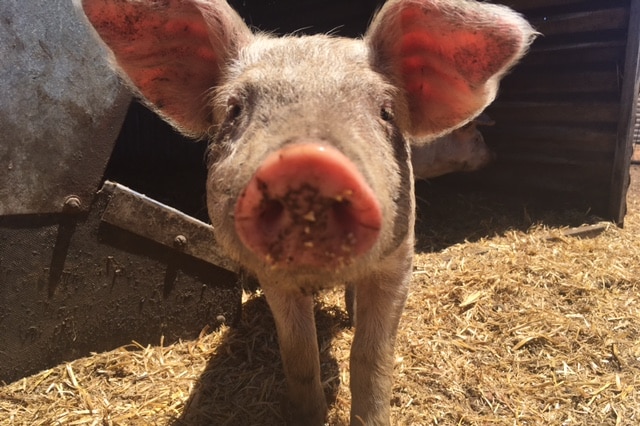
(145, 217)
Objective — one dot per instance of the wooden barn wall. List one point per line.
(630, 92)
(562, 125)
(563, 116)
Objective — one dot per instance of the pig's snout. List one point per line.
(308, 205)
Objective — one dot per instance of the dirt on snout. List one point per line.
(303, 227)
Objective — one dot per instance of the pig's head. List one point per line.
(468, 150)
(309, 164)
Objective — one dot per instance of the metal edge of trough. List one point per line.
(148, 218)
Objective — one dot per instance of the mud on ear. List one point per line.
(171, 51)
(447, 56)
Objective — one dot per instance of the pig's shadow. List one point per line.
(243, 383)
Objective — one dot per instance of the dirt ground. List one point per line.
(511, 320)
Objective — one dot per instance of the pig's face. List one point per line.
(335, 99)
(466, 150)
(335, 111)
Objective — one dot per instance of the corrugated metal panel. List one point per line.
(71, 285)
(61, 106)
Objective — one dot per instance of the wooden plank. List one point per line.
(585, 183)
(557, 158)
(546, 137)
(624, 144)
(550, 153)
(584, 231)
(577, 54)
(556, 153)
(564, 172)
(546, 112)
(562, 82)
(583, 22)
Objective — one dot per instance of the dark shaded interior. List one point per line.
(557, 115)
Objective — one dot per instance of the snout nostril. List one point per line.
(271, 216)
(343, 214)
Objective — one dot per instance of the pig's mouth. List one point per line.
(308, 207)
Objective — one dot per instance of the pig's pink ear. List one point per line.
(447, 56)
(172, 51)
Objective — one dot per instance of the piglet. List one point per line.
(310, 181)
(461, 150)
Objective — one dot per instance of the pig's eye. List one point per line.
(386, 113)
(234, 108)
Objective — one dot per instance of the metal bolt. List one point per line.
(72, 203)
(180, 242)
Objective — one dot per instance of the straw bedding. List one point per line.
(513, 319)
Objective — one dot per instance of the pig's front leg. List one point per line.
(379, 303)
(295, 324)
